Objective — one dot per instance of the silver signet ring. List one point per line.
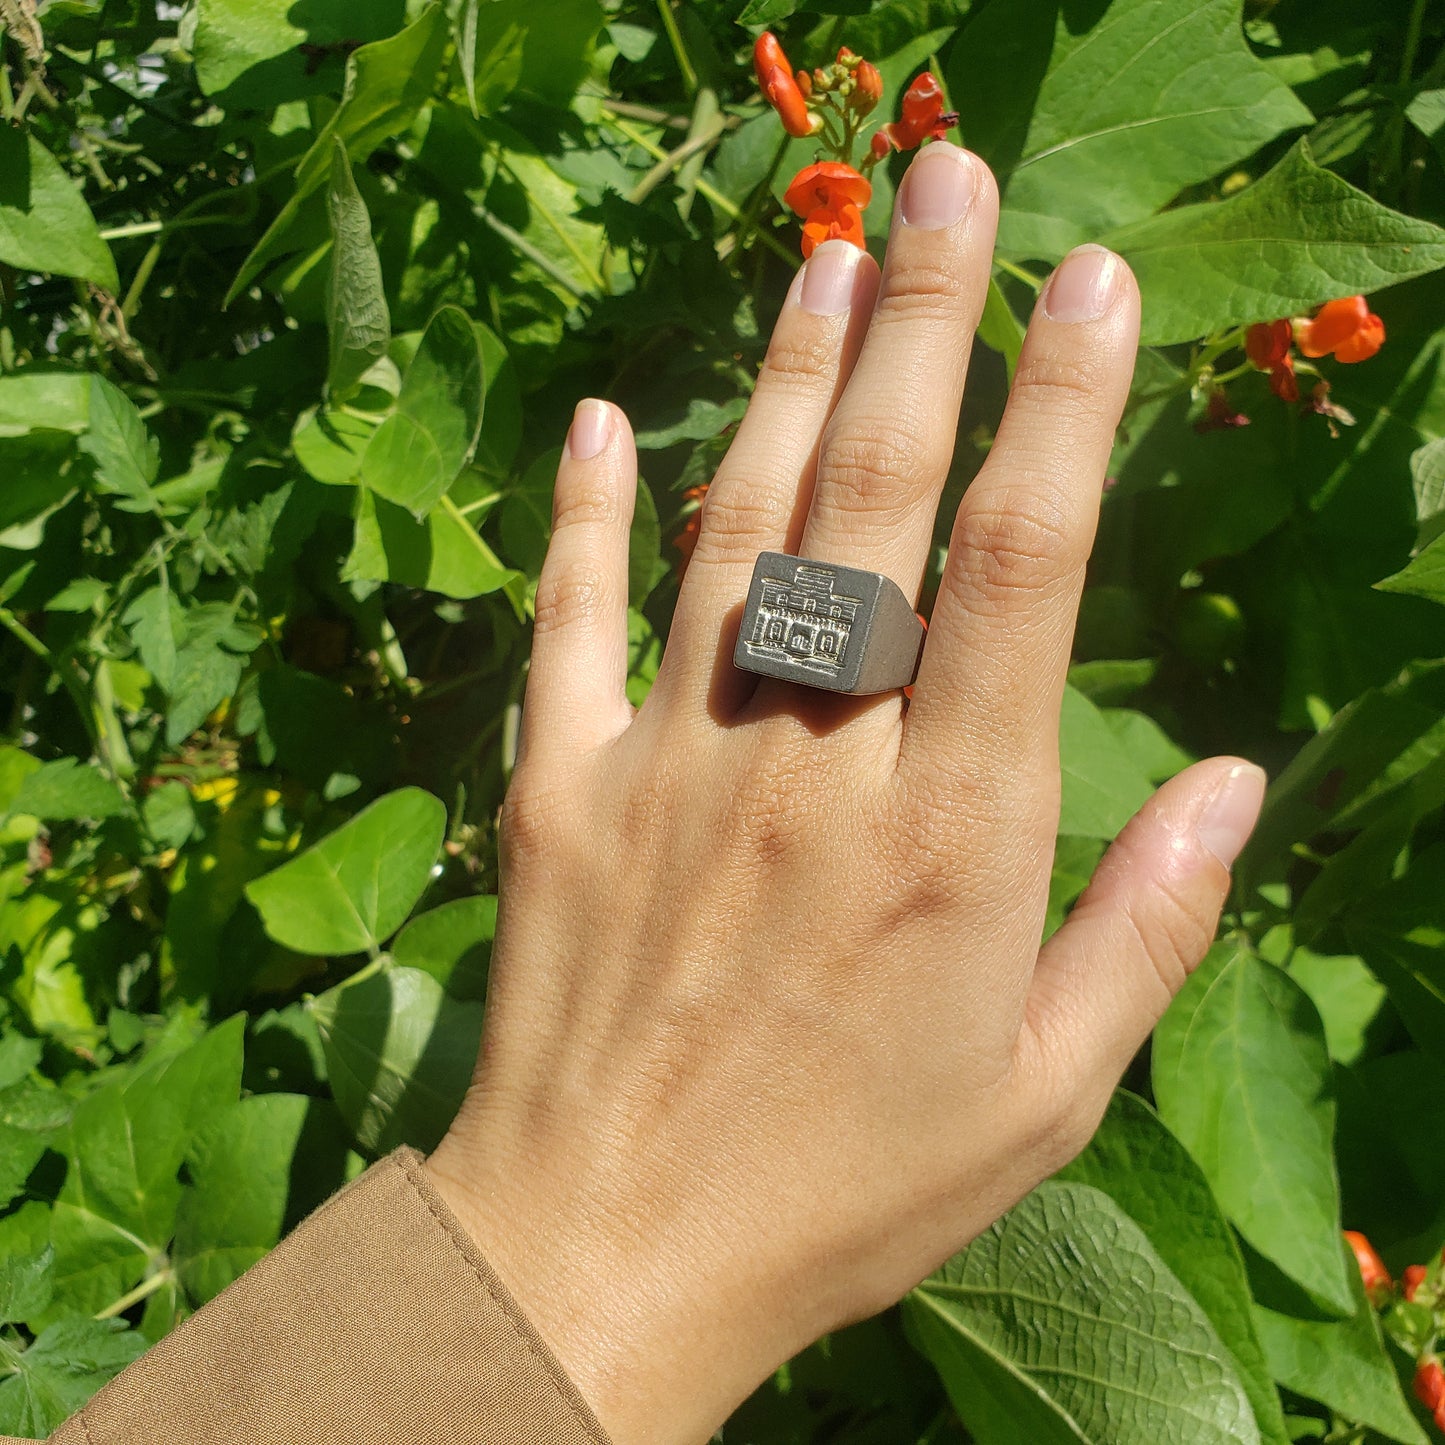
(823, 625)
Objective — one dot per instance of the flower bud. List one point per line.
(1412, 1279)
(1376, 1277)
(1430, 1383)
(868, 87)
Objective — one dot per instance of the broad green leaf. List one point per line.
(1427, 111)
(702, 421)
(1344, 1364)
(254, 55)
(1148, 1173)
(1242, 1078)
(1103, 786)
(116, 1212)
(1157, 755)
(1297, 237)
(1422, 576)
(69, 788)
(399, 1054)
(418, 451)
(59, 1372)
(1427, 468)
(256, 1170)
(1000, 328)
(353, 889)
(453, 943)
(44, 400)
(1099, 120)
(358, 320)
(1399, 931)
(156, 623)
(1347, 995)
(1061, 1323)
(126, 455)
(387, 83)
(330, 445)
(441, 553)
(44, 223)
(645, 567)
(490, 53)
(25, 1286)
(1353, 772)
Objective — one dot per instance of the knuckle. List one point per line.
(536, 821)
(927, 289)
(800, 356)
(737, 518)
(1009, 545)
(875, 467)
(1059, 385)
(567, 593)
(1171, 933)
(584, 501)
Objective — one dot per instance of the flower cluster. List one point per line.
(831, 103)
(1414, 1314)
(1345, 329)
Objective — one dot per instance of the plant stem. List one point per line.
(674, 38)
(143, 1290)
(1019, 274)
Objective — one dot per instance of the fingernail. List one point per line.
(1084, 286)
(828, 278)
(1230, 815)
(591, 426)
(938, 188)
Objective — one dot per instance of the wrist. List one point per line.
(662, 1338)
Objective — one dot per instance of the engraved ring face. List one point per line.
(828, 626)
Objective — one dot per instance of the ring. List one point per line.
(838, 628)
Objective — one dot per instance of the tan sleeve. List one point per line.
(377, 1322)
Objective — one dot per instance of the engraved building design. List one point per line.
(803, 620)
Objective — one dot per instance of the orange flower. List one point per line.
(1430, 1383)
(1267, 345)
(827, 183)
(780, 89)
(923, 116)
(824, 224)
(1412, 1279)
(867, 87)
(1372, 1268)
(686, 540)
(1347, 328)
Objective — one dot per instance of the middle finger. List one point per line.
(888, 445)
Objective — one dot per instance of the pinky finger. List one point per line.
(575, 690)
(1143, 924)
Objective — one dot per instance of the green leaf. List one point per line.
(1341, 1363)
(330, 444)
(1000, 328)
(387, 83)
(1422, 576)
(59, 1372)
(504, 44)
(441, 553)
(1148, 1173)
(453, 943)
(253, 55)
(1095, 121)
(399, 1054)
(418, 451)
(126, 455)
(1298, 237)
(355, 887)
(1427, 469)
(702, 421)
(25, 1285)
(1347, 995)
(68, 788)
(1242, 1078)
(492, 51)
(358, 320)
(256, 1170)
(44, 223)
(44, 400)
(116, 1211)
(1061, 1323)
(156, 622)
(1103, 786)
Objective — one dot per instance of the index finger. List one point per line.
(998, 644)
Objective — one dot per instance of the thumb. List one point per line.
(1143, 924)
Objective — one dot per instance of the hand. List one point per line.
(770, 1034)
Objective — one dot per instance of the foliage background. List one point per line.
(296, 303)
